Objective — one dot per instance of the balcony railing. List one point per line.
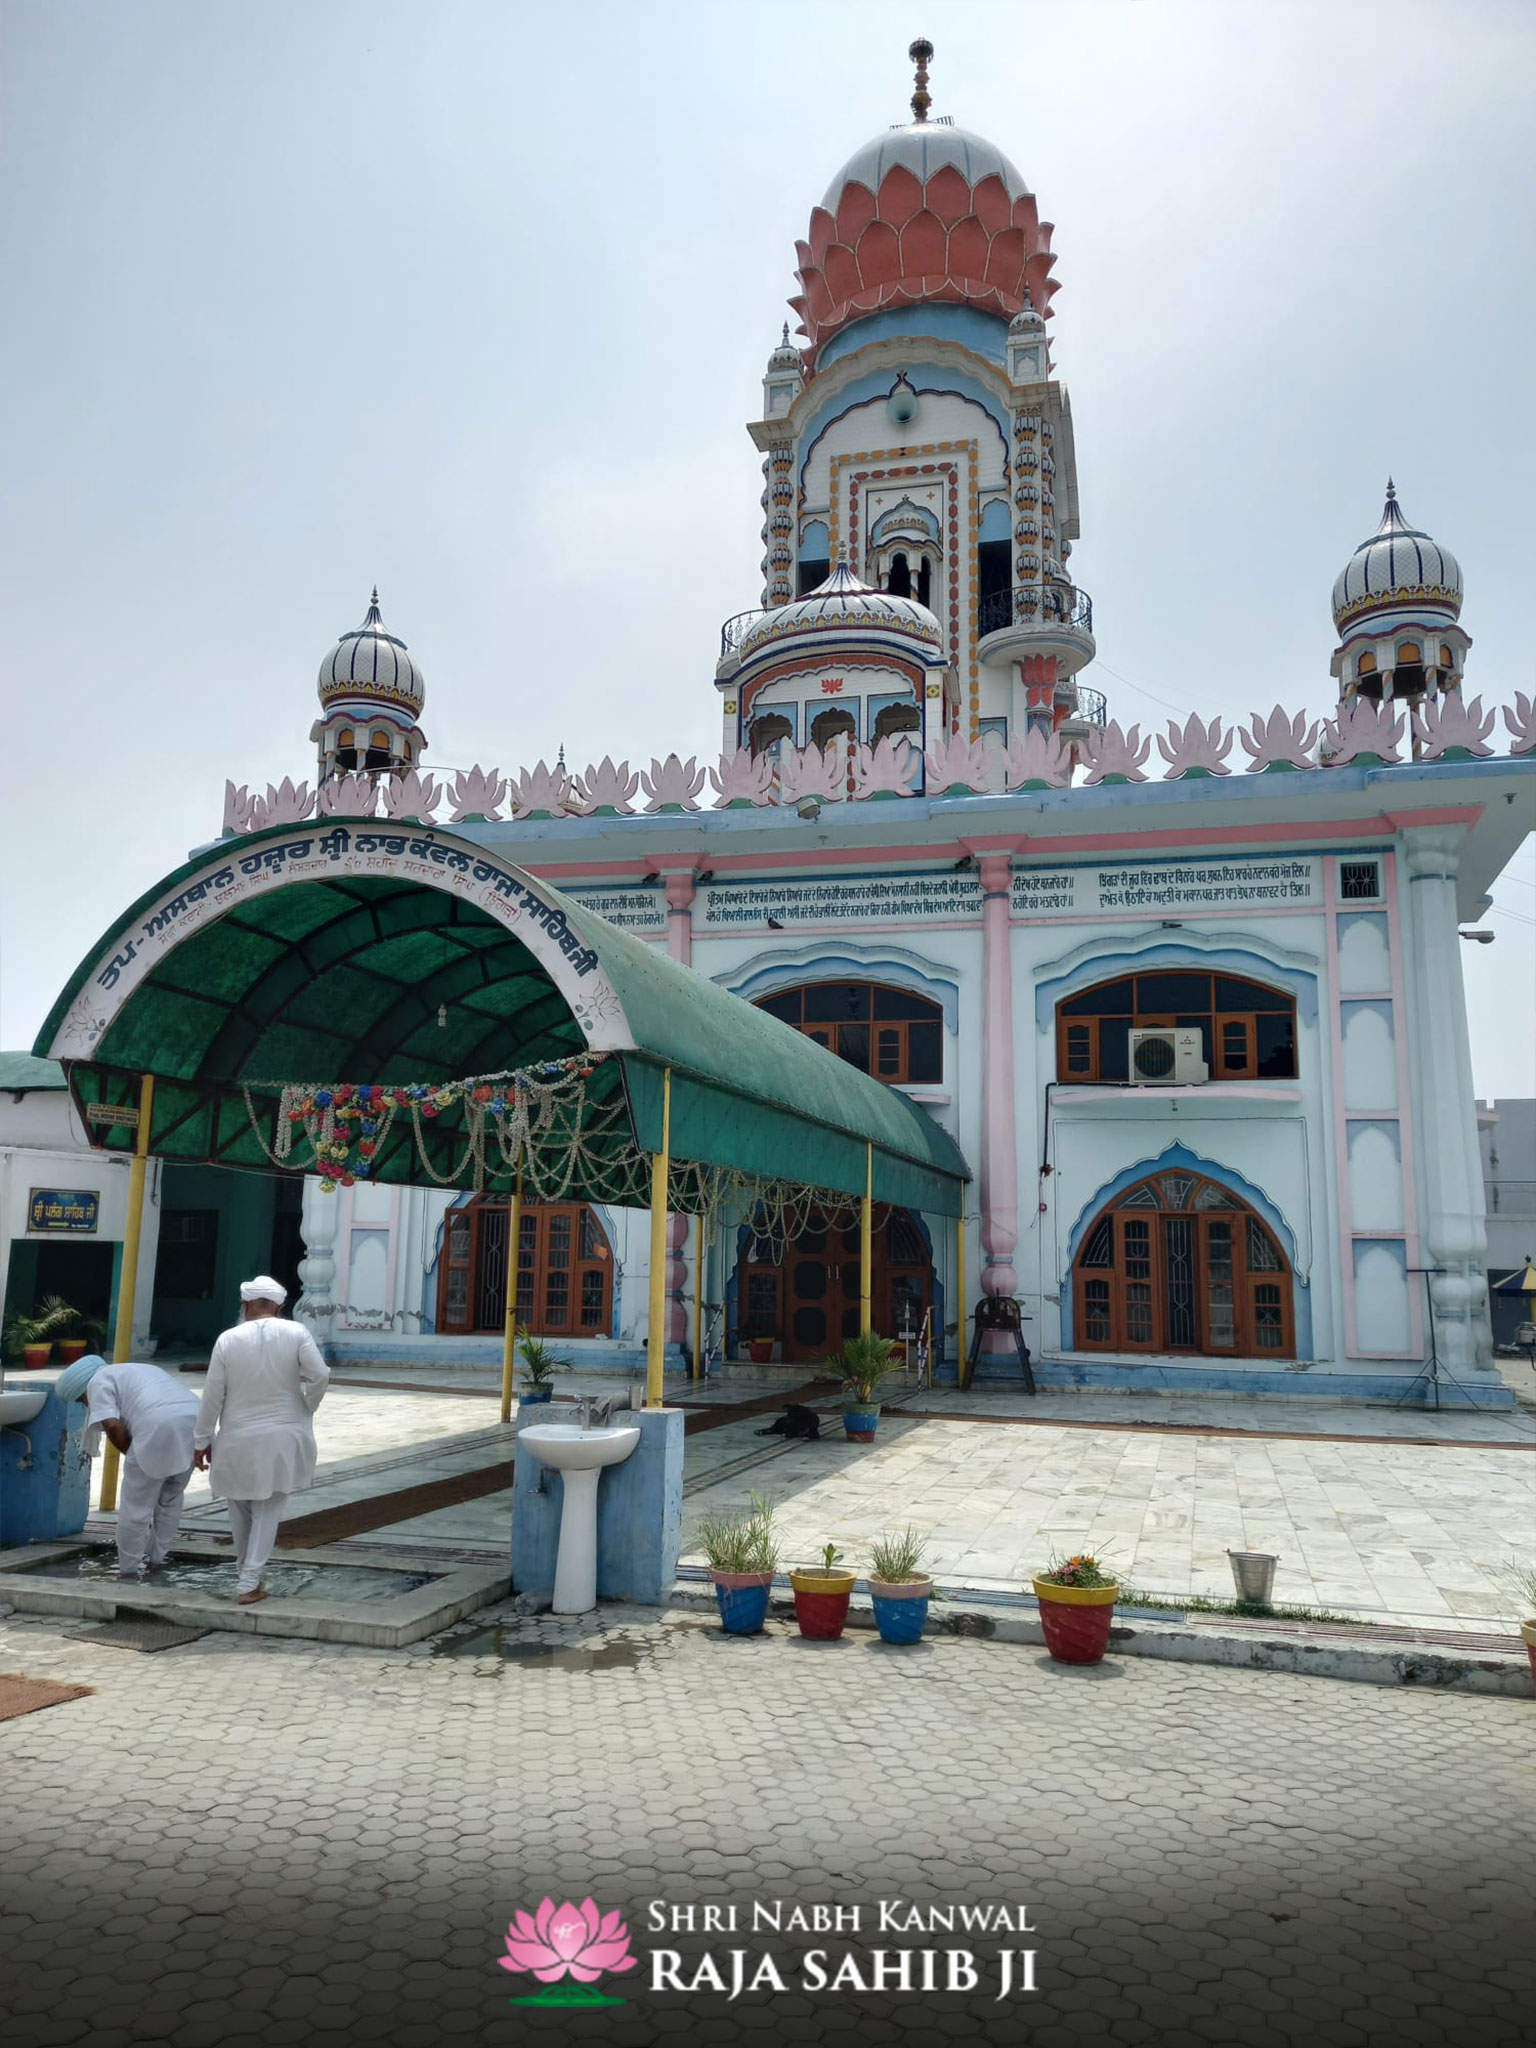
(1092, 706)
(1051, 604)
(734, 631)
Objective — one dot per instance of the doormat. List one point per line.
(353, 1517)
(146, 1632)
(20, 1695)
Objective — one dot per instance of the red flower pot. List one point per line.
(35, 1356)
(1528, 1637)
(71, 1348)
(1075, 1620)
(821, 1602)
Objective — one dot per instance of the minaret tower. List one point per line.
(1397, 608)
(371, 694)
(918, 442)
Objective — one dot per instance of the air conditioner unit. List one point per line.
(1168, 1055)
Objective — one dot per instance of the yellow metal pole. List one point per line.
(698, 1299)
(866, 1242)
(133, 1231)
(961, 1327)
(657, 1336)
(509, 1330)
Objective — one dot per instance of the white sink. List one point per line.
(579, 1456)
(21, 1404)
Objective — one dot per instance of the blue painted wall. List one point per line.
(45, 1487)
(639, 1516)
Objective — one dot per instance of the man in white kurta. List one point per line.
(265, 1379)
(150, 1417)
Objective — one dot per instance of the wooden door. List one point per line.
(564, 1270)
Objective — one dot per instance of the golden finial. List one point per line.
(921, 53)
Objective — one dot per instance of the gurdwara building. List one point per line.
(1193, 1011)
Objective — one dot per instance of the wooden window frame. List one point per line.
(464, 1231)
(1152, 1020)
(825, 1032)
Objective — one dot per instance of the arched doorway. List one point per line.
(564, 1269)
(1178, 1263)
(805, 1295)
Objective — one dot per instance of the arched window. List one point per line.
(1367, 681)
(768, 730)
(896, 719)
(346, 748)
(564, 1269)
(378, 750)
(924, 581)
(900, 583)
(994, 552)
(881, 1031)
(804, 1295)
(826, 726)
(1178, 1263)
(1248, 1031)
(1408, 670)
(815, 564)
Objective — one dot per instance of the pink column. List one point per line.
(999, 1143)
(681, 890)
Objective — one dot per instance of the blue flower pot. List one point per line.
(743, 1600)
(531, 1397)
(900, 1615)
(860, 1424)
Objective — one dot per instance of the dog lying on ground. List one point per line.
(795, 1421)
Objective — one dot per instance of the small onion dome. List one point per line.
(1026, 320)
(372, 665)
(1398, 566)
(842, 607)
(786, 356)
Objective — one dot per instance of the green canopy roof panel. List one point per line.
(334, 953)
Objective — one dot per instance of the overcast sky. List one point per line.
(472, 300)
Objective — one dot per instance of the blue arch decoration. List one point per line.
(996, 523)
(1228, 957)
(1174, 1157)
(759, 977)
(875, 387)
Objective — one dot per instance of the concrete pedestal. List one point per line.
(639, 1516)
(45, 1488)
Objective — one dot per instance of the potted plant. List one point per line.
(864, 1364)
(1077, 1604)
(742, 1552)
(821, 1596)
(898, 1590)
(26, 1339)
(72, 1332)
(760, 1350)
(540, 1365)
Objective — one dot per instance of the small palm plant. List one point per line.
(865, 1363)
(540, 1363)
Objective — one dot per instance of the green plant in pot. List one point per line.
(540, 1364)
(27, 1338)
(1522, 1578)
(741, 1549)
(60, 1322)
(864, 1364)
(898, 1590)
(1077, 1603)
(821, 1595)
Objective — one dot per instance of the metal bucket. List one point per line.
(1253, 1573)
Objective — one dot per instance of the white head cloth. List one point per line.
(263, 1288)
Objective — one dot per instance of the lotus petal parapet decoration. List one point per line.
(1364, 730)
(1038, 760)
(1521, 720)
(1283, 740)
(476, 793)
(606, 790)
(885, 769)
(807, 772)
(955, 766)
(541, 792)
(673, 785)
(238, 806)
(1451, 730)
(411, 795)
(348, 796)
(742, 778)
(1195, 748)
(1116, 756)
(283, 805)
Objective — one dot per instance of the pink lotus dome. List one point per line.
(923, 212)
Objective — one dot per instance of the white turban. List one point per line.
(263, 1288)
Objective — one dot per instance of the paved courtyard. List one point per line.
(279, 1844)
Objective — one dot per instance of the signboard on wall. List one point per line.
(632, 910)
(70, 1210)
(1277, 882)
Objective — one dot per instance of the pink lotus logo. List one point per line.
(570, 1941)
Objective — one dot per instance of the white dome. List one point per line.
(1397, 566)
(842, 606)
(923, 147)
(371, 665)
